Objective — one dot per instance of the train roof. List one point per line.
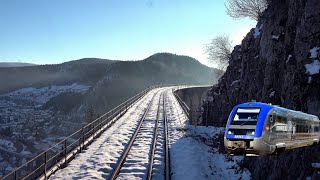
(269, 106)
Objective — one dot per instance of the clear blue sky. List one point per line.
(55, 31)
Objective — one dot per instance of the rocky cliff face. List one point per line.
(278, 63)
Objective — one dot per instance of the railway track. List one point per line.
(147, 154)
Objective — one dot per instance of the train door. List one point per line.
(293, 136)
(270, 128)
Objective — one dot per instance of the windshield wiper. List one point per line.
(243, 123)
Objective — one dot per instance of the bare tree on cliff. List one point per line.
(253, 9)
(219, 51)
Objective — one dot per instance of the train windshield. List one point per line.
(246, 116)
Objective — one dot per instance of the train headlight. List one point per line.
(267, 127)
(229, 132)
(253, 133)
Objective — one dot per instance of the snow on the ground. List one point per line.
(8, 145)
(190, 157)
(313, 68)
(101, 157)
(24, 152)
(44, 94)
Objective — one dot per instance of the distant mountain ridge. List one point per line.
(16, 64)
(91, 70)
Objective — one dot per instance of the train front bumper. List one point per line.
(248, 146)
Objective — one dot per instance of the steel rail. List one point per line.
(167, 149)
(134, 136)
(154, 143)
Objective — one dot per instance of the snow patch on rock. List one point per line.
(276, 37)
(289, 57)
(257, 31)
(272, 94)
(313, 68)
(235, 82)
(314, 52)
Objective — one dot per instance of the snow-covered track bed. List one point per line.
(145, 155)
(160, 161)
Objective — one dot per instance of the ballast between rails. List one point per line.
(155, 134)
(125, 153)
(166, 141)
(133, 139)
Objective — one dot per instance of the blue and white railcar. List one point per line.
(259, 128)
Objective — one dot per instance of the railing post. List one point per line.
(15, 175)
(101, 121)
(111, 113)
(45, 165)
(81, 140)
(126, 106)
(92, 130)
(65, 152)
(190, 116)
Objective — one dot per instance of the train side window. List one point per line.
(302, 128)
(316, 129)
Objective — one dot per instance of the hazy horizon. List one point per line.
(104, 59)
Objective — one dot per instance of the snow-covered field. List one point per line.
(22, 115)
(193, 154)
(44, 94)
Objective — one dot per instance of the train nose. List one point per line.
(236, 145)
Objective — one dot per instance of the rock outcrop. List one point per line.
(278, 63)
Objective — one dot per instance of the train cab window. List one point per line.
(246, 116)
(316, 129)
(280, 124)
